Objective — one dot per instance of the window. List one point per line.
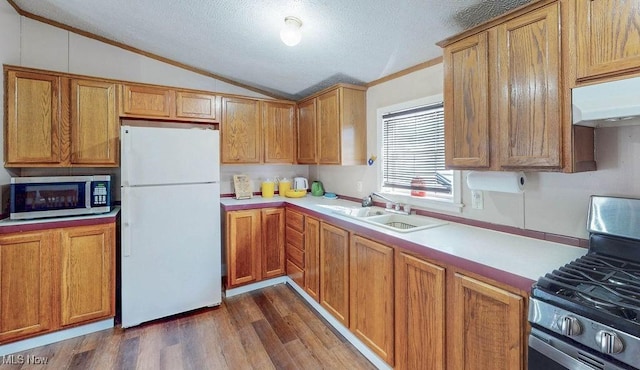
(413, 152)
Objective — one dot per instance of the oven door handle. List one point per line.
(556, 355)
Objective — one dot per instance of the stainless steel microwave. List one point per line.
(39, 197)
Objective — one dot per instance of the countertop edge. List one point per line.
(16, 226)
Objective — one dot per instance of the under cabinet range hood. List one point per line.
(615, 103)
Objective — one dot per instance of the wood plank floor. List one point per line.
(273, 328)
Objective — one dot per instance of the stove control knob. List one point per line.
(609, 342)
(569, 326)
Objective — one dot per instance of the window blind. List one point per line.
(413, 149)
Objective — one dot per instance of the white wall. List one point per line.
(553, 202)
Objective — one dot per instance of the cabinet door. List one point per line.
(88, 273)
(243, 241)
(312, 257)
(195, 105)
(26, 288)
(608, 37)
(420, 314)
(466, 112)
(147, 101)
(94, 123)
(329, 126)
(334, 271)
(240, 131)
(486, 326)
(278, 124)
(273, 242)
(33, 123)
(306, 143)
(372, 295)
(529, 108)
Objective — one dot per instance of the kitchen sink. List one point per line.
(359, 212)
(404, 223)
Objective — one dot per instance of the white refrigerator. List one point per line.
(170, 226)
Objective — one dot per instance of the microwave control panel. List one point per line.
(100, 193)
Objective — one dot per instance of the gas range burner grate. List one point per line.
(599, 281)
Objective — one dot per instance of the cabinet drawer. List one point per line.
(295, 220)
(295, 254)
(295, 273)
(295, 238)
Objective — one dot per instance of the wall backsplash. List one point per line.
(258, 173)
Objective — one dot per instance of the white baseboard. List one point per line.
(343, 330)
(57, 336)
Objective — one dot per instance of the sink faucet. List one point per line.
(395, 207)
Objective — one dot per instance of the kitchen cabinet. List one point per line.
(607, 37)
(334, 271)
(295, 246)
(278, 121)
(306, 133)
(340, 127)
(26, 285)
(507, 106)
(57, 121)
(193, 105)
(95, 127)
(240, 131)
(312, 257)
(485, 326)
(371, 302)
(420, 314)
(146, 101)
(273, 235)
(254, 245)
(88, 270)
(56, 278)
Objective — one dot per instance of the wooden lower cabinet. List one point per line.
(57, 278)
(312, 257)
(420, 314)
(334, 271)
(485, 326)
(26, 284)
(372, 295)
(88, 268)
(254, 245)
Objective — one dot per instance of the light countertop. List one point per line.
(7, 225)
(512, 259)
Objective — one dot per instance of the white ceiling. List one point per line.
(353, 41)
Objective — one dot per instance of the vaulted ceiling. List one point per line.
(353, 41)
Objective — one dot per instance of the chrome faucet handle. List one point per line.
(367, 201)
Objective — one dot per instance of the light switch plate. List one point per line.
(477, 199)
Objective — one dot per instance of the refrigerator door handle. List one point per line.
(126, 139)
(126, 223)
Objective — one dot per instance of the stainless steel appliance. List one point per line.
(586, 314)
(39, 197)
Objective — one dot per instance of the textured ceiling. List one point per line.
(353, 41)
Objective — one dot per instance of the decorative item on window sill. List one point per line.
(372, 159)
(290, 33)
(417, 183)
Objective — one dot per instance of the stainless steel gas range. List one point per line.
(586, 314)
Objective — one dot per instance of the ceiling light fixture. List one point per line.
(290, 33)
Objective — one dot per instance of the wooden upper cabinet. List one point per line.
(420, 314)
(529, 101)
(466, 97)
(371, 285)
(334, 271)
(240, 131)
(607, 37)
(329, 147)
(147, 101)
(306, 133)
(94, 123)
(196, 105)
(26, 284)
(273, 239)
(278, 121)
(243, 247)
(88, 267)
(34, 126)
(486, 325)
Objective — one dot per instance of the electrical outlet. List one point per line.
(477, 199)
(359, 186)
